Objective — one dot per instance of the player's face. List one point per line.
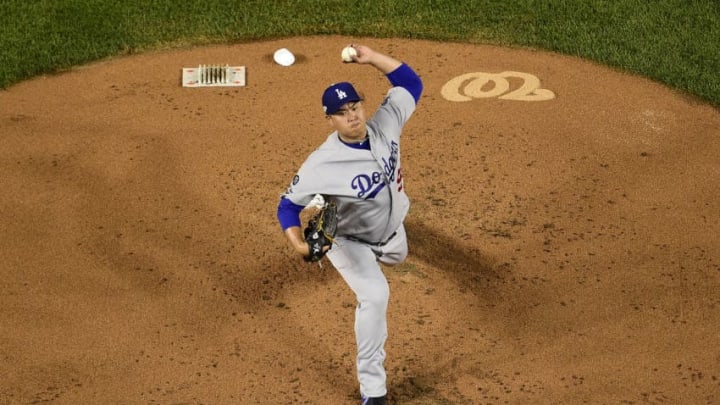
(349, 121)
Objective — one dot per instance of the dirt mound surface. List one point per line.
(563, 234)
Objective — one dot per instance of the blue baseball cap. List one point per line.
(337, 95)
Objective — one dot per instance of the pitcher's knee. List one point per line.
(377, 297)
(394, 258)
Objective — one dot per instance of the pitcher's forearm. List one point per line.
(295, 236)
(382, 62)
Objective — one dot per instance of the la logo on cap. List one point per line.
(338, 94)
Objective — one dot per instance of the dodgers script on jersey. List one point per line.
(361, 180)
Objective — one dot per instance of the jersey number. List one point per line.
(400, 179)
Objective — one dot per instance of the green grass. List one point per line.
(676, 42)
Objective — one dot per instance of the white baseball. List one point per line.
(347, 54)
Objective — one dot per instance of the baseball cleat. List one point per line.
(373, 400)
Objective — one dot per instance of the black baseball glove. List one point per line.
(320, 231)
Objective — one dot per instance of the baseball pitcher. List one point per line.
(357, 173)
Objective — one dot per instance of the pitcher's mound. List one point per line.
(563, 234)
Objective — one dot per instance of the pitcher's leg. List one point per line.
(396, 249)
(358, 266)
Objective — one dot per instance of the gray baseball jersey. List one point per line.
(367, 185)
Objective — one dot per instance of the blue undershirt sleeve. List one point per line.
(288, 213)
(405, 77)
